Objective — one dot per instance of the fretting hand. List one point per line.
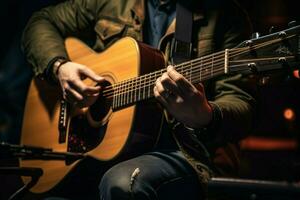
(184, 101)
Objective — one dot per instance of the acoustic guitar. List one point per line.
(125, 120)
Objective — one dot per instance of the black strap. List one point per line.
(184, 24)
(181, 48)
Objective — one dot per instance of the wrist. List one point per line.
(49, 72)
(205, 120)
(212, 124)
(56, 66)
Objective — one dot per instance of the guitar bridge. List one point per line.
(63, 122)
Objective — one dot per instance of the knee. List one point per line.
(115, 184)
(125, 182)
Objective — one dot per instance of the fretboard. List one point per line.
(140, 88)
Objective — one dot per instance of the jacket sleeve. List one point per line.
(43, 37)
(233, 105)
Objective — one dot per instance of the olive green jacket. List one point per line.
(219, 25)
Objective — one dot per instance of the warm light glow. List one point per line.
(263, 143)
(296, 73)
(289, 114)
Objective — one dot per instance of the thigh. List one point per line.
(156, 175)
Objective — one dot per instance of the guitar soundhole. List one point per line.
(87, 131)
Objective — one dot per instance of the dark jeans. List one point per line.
(156, 175)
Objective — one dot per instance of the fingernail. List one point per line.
(170, 67)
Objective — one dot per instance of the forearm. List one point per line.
(44, 35)
(42, 42)
(235, 110)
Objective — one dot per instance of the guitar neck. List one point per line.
(140, 88)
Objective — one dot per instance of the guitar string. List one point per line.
(193, 77)
(270, 42)
(146, 79)
(149, 93)
(202, 73)
(189, 63)
(130, 89)
(196, 78)
(260, 59)
(150, 80)
(185, 64)
(148, 86)
(159, 71)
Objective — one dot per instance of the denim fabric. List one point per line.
(152, 176)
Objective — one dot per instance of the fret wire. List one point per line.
(212, 63)
(163, 70)
(122, 88)
(217, 72)
(121, 102)
(118, 94)
(200, 69)
(130, 91)
(182, 64)
(126, 93)
(144, 88)
(205, 76)
(135, 90)
(139, 89)
(114, 99)
(150, 81)
(191, 71)
(141, 86)
(128, 88)
(149, 87)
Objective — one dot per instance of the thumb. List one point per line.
(92, 75)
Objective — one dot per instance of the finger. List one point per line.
(63, 86)
(72, 95)
(201, 90)
(200, 87)
(162, 91)
(169, 85)
(159, 97)
(82, 88)
(168, 96)
(92, 75)
(87, 101)
(182, 83)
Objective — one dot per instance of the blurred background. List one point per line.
(271, 151)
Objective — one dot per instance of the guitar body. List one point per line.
(123, 133)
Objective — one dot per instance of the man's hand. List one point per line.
(182, 100)
(75, 91)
